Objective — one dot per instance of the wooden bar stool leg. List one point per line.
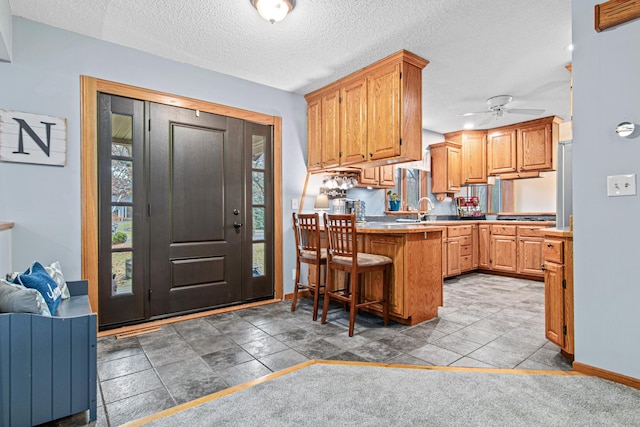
(385, 294)
(327, 287)
(354, 302)
(316, 293)
(295, 287)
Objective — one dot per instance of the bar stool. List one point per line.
(343, 255)
(308, 251)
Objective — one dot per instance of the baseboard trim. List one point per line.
(300, 294)
(607, 375)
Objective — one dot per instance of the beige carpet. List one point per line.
(319, 393)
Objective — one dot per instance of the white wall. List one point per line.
(536, 194)
(6, 32)
(606, 67)
(44, 78)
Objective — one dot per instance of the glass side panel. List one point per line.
(258, 224)
(258, 188)
(257, 152)
(121, 273)
(121, 181)
(121, 227)
(121, 150)
(121, 128)
(258, 259)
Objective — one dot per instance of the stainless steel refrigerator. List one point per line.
(564, 203)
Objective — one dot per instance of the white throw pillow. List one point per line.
(55, 271)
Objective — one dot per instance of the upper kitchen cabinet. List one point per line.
(522, 149)
(446, 167)
(370, 118)
(474, 155)
(378, 177)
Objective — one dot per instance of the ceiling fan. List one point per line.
(497, 108)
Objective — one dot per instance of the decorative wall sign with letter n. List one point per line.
(32, 138)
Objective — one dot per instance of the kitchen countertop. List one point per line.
(419, 227)
(5, 225)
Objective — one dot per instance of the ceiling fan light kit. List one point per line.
(273, 10)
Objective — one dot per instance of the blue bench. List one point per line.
(48, 364)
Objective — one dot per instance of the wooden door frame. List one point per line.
(89, 88)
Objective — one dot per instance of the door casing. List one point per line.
(90, 87)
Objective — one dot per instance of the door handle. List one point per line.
(237, 225)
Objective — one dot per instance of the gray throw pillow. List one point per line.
(18, 299)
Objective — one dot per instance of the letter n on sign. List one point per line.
(32, 138)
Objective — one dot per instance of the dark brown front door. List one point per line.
(196, 210)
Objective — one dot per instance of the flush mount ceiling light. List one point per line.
(273, 10)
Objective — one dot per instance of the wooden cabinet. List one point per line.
(416, 291)
(484, 244)
(524, 148)
(446, 168)
(501, 147)
(558, 289)
(314, 135)
(373, 116)
(330, 135)
(459, 249)
(353, 124)
(530, 250)
(378, 177)
(503, 248)
(474, 155)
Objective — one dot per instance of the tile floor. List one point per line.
(487, 321)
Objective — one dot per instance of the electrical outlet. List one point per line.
(621, 185)
(294, 204)
(293, 274)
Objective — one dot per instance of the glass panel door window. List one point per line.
(258, 204)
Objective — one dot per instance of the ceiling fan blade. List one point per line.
(484, 122)
(474, 113)
(530, 111)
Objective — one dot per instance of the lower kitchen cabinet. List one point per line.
(484, 245)
(530, 241)
(558, 289)
(458, 249)
(504, 249)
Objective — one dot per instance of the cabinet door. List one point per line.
(331, 130)
(475, 247)
(554, 303)
(503, 253)
(453, 257)
(353, 127)
(383, 112)
(454, 164)
(484, 253)
(387, 176)
(390, 246)
(501, 148)
(530, 256)
(535, 148)
(370, 176)
(474, 159)
(314, 135)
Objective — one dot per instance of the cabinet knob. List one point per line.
(542, 267)
(549, 245)
(362, 155)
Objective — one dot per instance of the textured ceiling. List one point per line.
(476, 49)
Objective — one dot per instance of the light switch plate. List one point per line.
(294, 204)
(621, 185)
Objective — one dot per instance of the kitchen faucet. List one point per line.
(429, 205)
